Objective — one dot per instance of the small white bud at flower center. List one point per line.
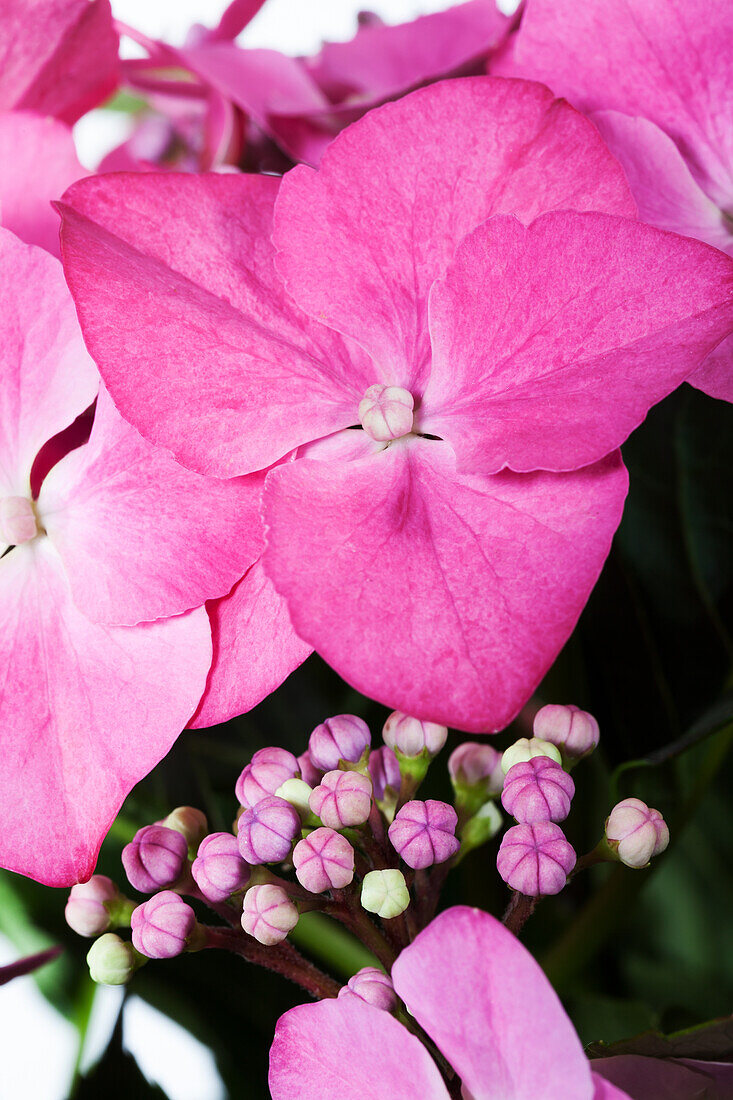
(385, 412)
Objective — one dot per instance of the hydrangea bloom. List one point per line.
(482, 999)
(437, 575)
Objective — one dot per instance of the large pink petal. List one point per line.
(37, 163)
(660, 1079)
(255, 649)
(604, 1090)
(715, 376)
(57, 57)
(47, 375)
(85, 712)
(198, 343)
(443, 596)
(361, 240)
(345, 1049)
(552, 341)
(141, 537)
(486, 1004)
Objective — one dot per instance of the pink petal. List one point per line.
(715, 376)
(48, 377)
(361, 241)
(442, 596)
(140, 537)
(604, 1090)
(346, 1049)
(235, 18)
(255, 649)
(551, 342)
(37, 163)
(656, 1078)
(86, 711)
(197, 341)
(57, 57)
(485, 1002)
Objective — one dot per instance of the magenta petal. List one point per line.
(255, 649)
(485, 1002)
(336, 1049)
(442, 596)
(141, 537)
(715, 376)
(552, 341)
(86, 711)
(361, 240)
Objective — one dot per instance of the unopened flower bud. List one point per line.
(112, 961)
(480, 827)
(527, 748)
(309, 773)
(373, 986)
(267, 770)
(412, 737)
(163, 926)
(155, 857)
(385, 893)
(296, 792)
(267, 830)
(574, 731)
(635, 833)
(324, 860)
(342, 799)
(476, 766)
(384, 770)
(219, 870)
(535, 859)
(17, 520)
(424, 833)
(96, 906)
(385, 412)
(268, 914)
(537, 790)
(190, 823)
(343, 737)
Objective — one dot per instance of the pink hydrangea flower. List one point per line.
(438, 576)
(660, 92)
(480, 997)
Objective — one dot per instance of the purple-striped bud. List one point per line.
(475, 764)
(574, 731)
(635, 833)
(154, 858)
(219, 870)
(537, 790)
(324, 860)
(163, 926)
(268, 914)
(412, 737)
(342, 799)
(267, 830)
(267, 770)
(385, 772)
(343, 737)
(373, 986)
(424, 833)
(87, 911)
(309, 773)
(535, 859)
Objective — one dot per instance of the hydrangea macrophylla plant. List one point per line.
(661, 92)
(441, 571)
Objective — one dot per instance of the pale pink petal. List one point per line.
(255, 649)
(85, 712)
(141, 537)
(345, 1049)
(715, 376)
(442, 596)
(658, 1079)
(552, 341)
(37, 163)
(57, 57)
(361, 240)
(198, 343)
(486, 1004)
(48, 377)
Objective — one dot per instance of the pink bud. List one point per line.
(324, 860)
(411, 736)
(267, 770)
(571, 729)
(373, 986)
(343, 737)
(267, 830)
(155, 857)
(537, 790)
(475, 764)
(342, 799)
(17, 520)
(385, 412)
(268, 914)
(309, 773)
(535, 859)
(385, 772)
(424, 833)
(162, 926)
(635, 832)
(85, 910)
(219, 870)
